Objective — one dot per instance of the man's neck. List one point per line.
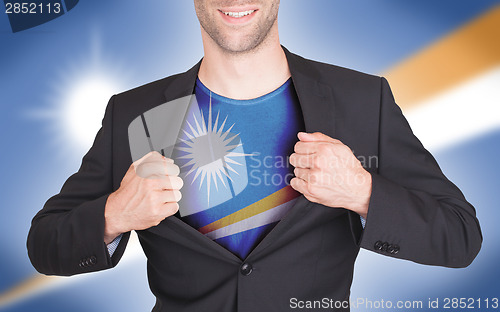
(244, 75)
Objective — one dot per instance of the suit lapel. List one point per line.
(317, 104)
(315, 97)
(183, 84)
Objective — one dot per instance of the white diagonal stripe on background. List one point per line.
(263, 218)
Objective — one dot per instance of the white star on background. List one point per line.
(210, 151)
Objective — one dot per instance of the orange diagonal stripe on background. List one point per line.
(28, 286)
(275, 199)
(466, 52)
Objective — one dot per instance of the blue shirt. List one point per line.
(233, 156)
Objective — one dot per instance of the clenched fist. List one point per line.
(148, 193)
(328, 173)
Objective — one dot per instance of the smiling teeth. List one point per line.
(239, 14)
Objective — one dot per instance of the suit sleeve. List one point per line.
(415, 212)
(67, 236)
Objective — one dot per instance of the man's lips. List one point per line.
(237, 16)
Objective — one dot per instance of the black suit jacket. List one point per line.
(415, 212)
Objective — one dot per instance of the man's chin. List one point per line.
(239, 46)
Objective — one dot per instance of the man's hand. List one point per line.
(148, 193)
(328, 173)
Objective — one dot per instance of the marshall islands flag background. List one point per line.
(442, 59)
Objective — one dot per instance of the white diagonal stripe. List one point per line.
(263, 218)
(466, 111)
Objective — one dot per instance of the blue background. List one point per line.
(141, 41)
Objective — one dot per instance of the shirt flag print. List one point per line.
(233, 156)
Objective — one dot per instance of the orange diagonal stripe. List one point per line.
(25, 288)
(466, 52)
(275, 199)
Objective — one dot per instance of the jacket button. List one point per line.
(83, 263)
(378, 245)
(93, 260)
(246, 269)
(384, 246)
(395, 249)
(390, 249)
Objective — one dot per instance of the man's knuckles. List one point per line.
(162, 209)
(157, 169)
(165, 210)
(172, 208)
(173, 183)
(314, 176)
(304, 187)
(319, 161)
(312, 190)
(163, 183)
(153, 156)
(325, 148)
(171, 196)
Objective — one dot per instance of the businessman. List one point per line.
(221, 221)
